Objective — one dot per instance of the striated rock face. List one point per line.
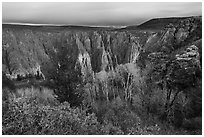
(175, 54)
(28, 50)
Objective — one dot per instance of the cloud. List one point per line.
(90, 13)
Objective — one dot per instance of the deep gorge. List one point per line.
(159, 68)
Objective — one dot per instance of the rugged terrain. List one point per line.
(167, 51)
(27, 49)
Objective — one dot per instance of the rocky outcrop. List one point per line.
(25, 51)
(186, 67)
(31, 50)
(173, 58)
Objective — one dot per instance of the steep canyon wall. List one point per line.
(28, 49)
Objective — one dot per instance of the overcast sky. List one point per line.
(90, 13)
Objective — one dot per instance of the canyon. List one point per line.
(154, 68)
(27, 49)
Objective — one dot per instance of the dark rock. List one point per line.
(175, 50)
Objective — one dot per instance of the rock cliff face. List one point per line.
(176, 53)
(28, 50)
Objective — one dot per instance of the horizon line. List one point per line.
(116, 26)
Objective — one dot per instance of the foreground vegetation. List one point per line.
(32, 115)
(38, 110)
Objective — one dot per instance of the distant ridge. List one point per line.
(152, 24)
(158, 23)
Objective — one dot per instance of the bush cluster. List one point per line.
(29, 116)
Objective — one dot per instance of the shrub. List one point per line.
(29, 116)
